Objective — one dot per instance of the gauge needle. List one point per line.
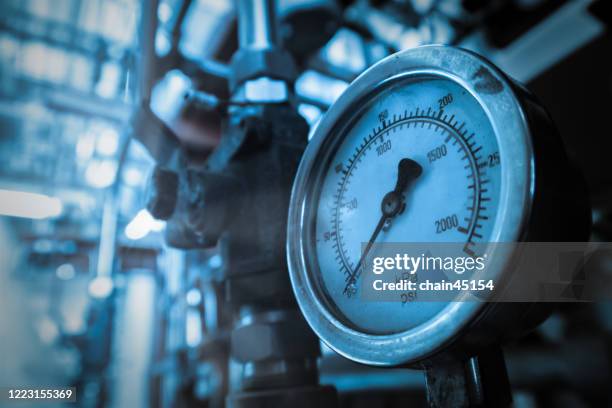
(391, 205)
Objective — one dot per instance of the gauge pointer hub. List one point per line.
(392, 204)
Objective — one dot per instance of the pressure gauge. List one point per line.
(433, 144)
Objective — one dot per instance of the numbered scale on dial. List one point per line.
(430, 145)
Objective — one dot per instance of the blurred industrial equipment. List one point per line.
(133, 131)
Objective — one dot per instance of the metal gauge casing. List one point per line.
(427, 102)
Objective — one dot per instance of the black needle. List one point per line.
(391, 205)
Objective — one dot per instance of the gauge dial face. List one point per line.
(440, 129)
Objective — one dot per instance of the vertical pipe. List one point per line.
(110, 217)
(108, 235)
(146, 58)
(256, 23)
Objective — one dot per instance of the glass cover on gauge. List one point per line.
(418, 162)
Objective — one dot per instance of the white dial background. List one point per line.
(460, 182)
